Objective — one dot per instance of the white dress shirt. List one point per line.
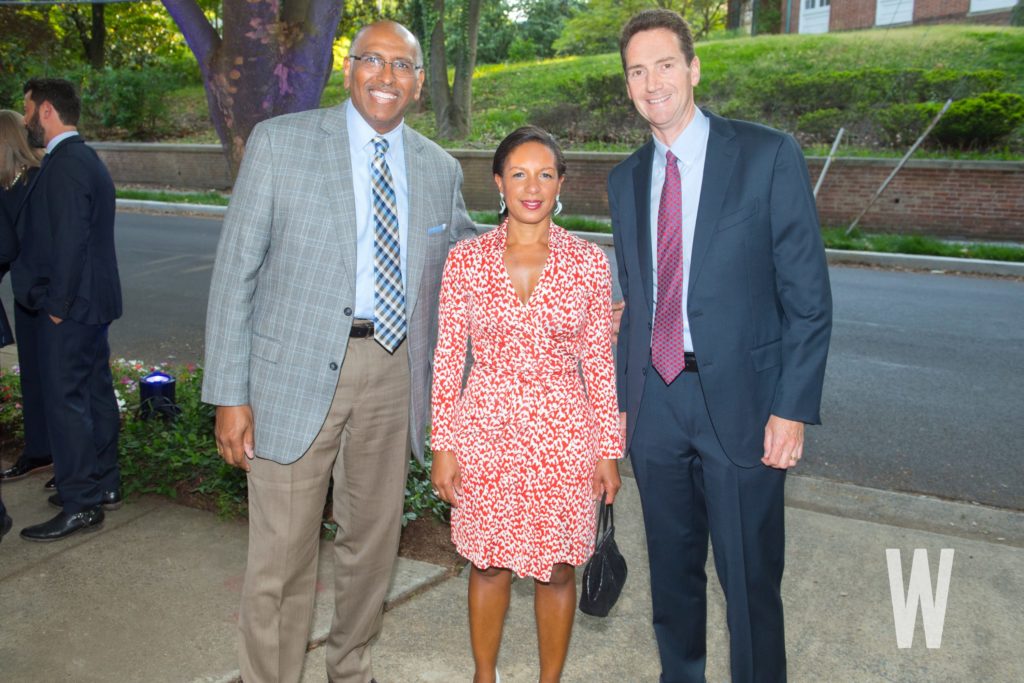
(690, 149)
(361, 152)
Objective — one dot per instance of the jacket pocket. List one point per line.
(266, 348)
(737, 217)
(767, 355)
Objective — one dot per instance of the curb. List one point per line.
(835, 256)
(906, 510)
(932, 263)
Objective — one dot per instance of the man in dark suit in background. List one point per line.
(66, 276)
(721, 350)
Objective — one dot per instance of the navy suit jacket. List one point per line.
(759, 301)
(66, 265)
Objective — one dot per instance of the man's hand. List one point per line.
(234, 434)
(783, 443)
(606, 480)
(446, 477)
(617, 308)
(56, 320)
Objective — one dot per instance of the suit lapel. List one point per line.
(718, 167)
(642, 196)
(416, 245)
(339, 192)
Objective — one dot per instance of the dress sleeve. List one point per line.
(598, 367)
(450, 352)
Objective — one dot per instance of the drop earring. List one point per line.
(501, 202)
(558, 205)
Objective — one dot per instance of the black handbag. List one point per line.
(605, 573)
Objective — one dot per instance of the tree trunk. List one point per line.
(270, 60)
(92, 36)
(96, 50)
(734, 14)
(453, 111)
(440, 91)
(462, 111)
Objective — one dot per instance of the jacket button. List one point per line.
(650, 326)
(333, 366)
(348, 311)
(644, 372)
(696, 314)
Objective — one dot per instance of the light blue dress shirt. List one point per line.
(690, 149)
(361, 151)
(57, 139)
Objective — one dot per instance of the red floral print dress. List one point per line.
(539, 408)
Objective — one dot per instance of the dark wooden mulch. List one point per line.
(429, 540)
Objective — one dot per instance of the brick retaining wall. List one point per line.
(972, 199)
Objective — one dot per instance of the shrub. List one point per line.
(420, 500)
(179, 458)
(901, 124)
(522, 50)
(941, 84)
(821, 125)
(175, 458)
(980, 121)
(864, 89)
(130, 101)
(592, 109)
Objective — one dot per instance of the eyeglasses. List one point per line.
(399, 67)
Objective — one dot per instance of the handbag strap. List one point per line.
(605, 518)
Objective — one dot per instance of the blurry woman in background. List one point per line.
(523, 452)
(18, 165)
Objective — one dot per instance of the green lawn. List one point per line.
(737, 79)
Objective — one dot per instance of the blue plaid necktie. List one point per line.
(388, 292)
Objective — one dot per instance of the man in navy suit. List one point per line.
(721, 349)
(66, 276)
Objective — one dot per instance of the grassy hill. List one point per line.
(741, 77)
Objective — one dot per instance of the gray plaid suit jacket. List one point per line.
(283, 284)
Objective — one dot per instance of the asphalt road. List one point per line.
(924, 388)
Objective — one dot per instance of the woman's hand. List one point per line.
(446, 477)
(606, 480)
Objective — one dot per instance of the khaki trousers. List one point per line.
(364, 445)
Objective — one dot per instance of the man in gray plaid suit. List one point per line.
(320, 331)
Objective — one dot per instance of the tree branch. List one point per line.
(201, 37)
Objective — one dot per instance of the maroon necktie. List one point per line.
(667, 352)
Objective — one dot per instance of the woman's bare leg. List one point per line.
(555, 607)
(489, 593)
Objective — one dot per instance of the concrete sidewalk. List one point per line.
(153, 597)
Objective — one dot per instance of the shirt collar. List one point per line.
(363, 133)
(689, 145)
(57, 139)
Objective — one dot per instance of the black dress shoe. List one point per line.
(64, 524)
(51, 484)
(5, 525)
(23, 468)
(109, 500)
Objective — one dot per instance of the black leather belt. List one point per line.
(691, 362)
(362, 329)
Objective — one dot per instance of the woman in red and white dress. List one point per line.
(525, 449)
